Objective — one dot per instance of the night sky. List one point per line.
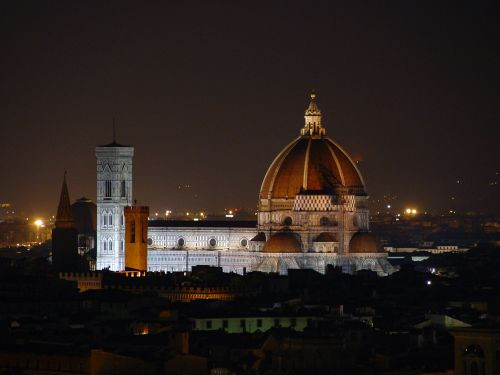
(209, 92)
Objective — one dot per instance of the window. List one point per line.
(259, 323)
(324, 221)
(242, 323)
(243, 242)
(104, 245)
(212, 242)
(121, 220)
(110, 220)
(110, 245)
(287, 221)
(107, 190)
(121, 245)
(123, 192)
(180, 242)
(224, 324)
(105, 219)
(209, 324)
(132, 231)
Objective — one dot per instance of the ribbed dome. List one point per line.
(313, 162)
(282, 242)
(365, 242)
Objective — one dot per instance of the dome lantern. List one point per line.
(312, 125)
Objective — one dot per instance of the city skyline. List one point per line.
(208, 104)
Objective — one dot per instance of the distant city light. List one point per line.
(39, 223)
(196, 219)
(411, 211)
(388, 206)
(429, 282)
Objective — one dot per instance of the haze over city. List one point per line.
(209, 92)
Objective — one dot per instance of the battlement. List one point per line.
(137, 209)
(79, 275)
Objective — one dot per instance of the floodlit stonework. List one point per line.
(114, 192)
(312, 213)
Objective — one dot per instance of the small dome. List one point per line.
(260, 237)
(282, 242)
(325, 237)
(365, 242)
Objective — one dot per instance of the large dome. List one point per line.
(313, 162)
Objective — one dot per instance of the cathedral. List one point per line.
(312, 213)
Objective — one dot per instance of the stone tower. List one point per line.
(114, 192)
(136, 237)
(64, 235)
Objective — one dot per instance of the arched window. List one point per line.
(107, 189)
(110, 245)
(132, 231)
(287, 221)
(105, 218)
(123, 192)
(104, 245)
(110, 219)
(473, 360)
(324, 221)
(180, 242)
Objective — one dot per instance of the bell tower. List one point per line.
(114, 192)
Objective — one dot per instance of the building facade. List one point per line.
(312, 213)
(114, 192)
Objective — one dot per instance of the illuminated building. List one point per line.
(312, 213)
(136, 234)
(114, 192)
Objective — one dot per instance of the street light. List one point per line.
(39, 224)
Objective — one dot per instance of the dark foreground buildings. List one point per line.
(208, 321)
